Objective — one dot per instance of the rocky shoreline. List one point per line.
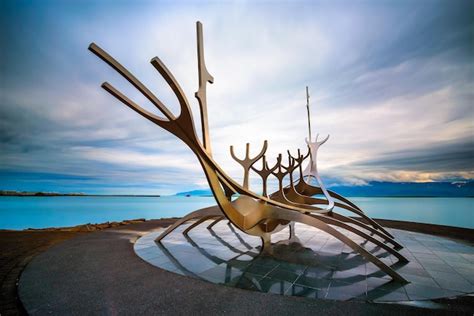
(89, 227)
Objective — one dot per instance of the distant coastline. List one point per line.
(390, 189)
(43, 194)
(27, 193)
(371, 189)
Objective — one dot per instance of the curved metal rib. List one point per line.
(291, 194)
(204, 252)
(280, 196)
(225, 243)
(266, 212)
(304, 188)
(309, 190)
(176, 262)
(217, 220)
(340, 222)
(242, 241)
(379, 233)
(377, 242)
(213, 210)
(121, 97)
(300, 186)
(310, 200)
(198, 222)
(312, 221)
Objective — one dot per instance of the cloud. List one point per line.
(395, 97)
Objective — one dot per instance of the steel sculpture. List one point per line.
(258, 215)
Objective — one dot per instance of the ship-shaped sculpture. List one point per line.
(254, 214)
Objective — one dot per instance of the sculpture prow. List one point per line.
(251, 213)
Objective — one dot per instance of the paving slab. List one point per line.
(100, 273)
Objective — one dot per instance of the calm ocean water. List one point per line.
(40, 212)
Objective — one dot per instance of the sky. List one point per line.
(390, 81)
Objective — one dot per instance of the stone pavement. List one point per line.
(320, 266)
(99, 273)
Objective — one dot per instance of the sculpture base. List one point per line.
(314, 265)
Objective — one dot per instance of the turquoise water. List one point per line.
(41, 212)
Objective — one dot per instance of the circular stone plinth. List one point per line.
(319, 266)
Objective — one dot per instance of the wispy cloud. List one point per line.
(391, 82)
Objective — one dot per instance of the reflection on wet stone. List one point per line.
(318, 266)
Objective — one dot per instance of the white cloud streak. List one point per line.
(262, 57)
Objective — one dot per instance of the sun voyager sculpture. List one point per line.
(299, 201)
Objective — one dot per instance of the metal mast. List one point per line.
(309, 116)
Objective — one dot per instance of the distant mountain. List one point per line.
(430, 189)
(395, 189)
(195, 193)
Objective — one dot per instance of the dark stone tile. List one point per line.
(284, 275)
(319, 272)
(195, 264)
(267, 262)
(334, 248)
(313, 282)
(420, 249)
(438, 267)
(169, 266)
(151, 254)
(351, 274)
(248, 256)
(158, 261)
(422, 280)
(384, 296)
(246, 281)
(293, 267)
(408, 254)
(460, 248)
(410, 270)
(238, 264)
(427, 260)
(415, 291)
(337, 296)
(451, 258)
(384, 285)
(179, 248)
(451, 293)
(452, 281)
(222, 273)
(270, 285)
(355, 289)
(373, 271)
(304, 291)
(468, 257)
(343, 291)
(460, 264)
(468, 274)
(222, 255)
(143, 246)
(257, 269)
(436, 264)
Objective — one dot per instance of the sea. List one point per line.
(21, 212)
